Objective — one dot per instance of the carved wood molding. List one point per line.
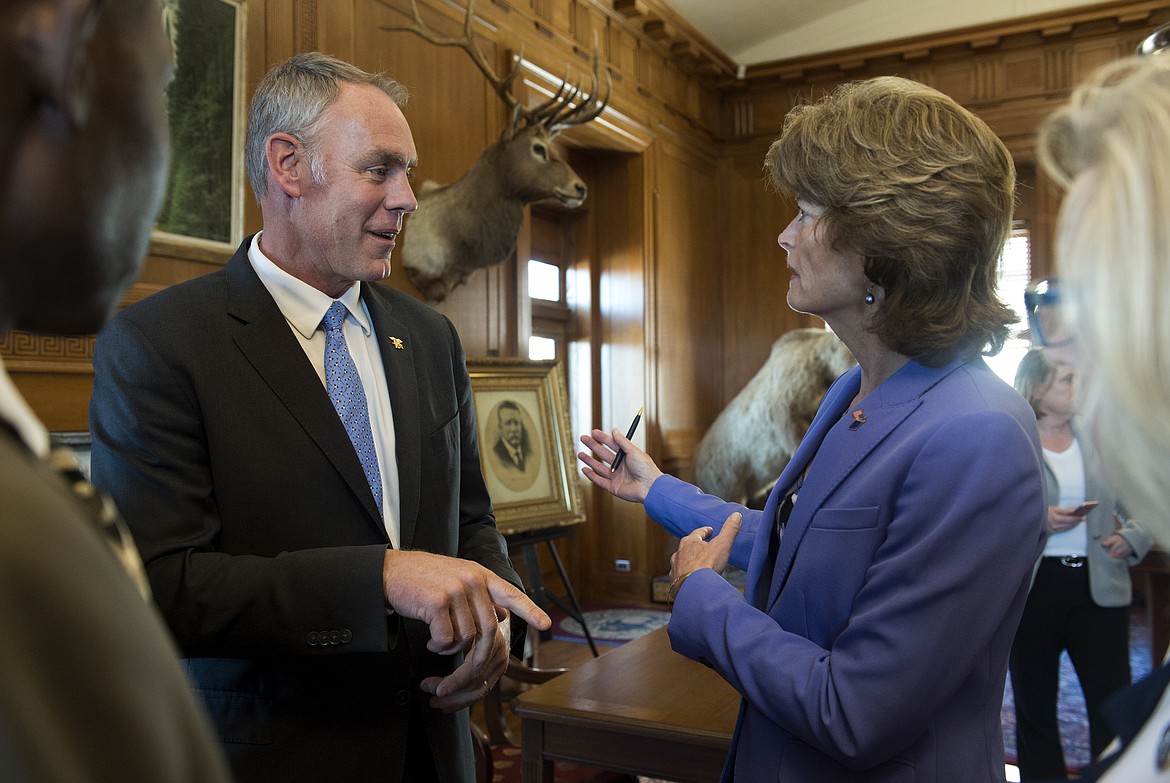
(41, 353)
(25, 352)
(663, 27)
(1011, 75)
(978, 39)
(305, 25)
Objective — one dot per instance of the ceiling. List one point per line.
(758, 31)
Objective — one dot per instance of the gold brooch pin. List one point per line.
(859, 418)
(396, 343)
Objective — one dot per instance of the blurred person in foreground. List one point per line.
(294, 447)
(889, 568)
(90, 684)
(1108, 149)
(1081, 595)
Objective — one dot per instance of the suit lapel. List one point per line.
(267, 342)
(839, 451)
(397, 344)
(765, 574)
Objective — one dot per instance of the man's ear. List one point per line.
(51, 42)
(287, 163)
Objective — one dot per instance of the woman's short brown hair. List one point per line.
(923, 190)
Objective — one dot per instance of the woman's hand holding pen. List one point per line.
(633, 477)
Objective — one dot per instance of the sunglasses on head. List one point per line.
(1045, 318)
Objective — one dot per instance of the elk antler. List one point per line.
(466, 43)
(556, 114)
(560, 111)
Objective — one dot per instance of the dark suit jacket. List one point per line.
(874, 640)
(90, 684)
(259, 531)
(500, 449)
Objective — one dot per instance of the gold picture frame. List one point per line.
(525, 447)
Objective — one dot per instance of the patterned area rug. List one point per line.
(1070, 707)
(609, 625)
(506, 769)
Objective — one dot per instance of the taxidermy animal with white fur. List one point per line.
(754, 437)
(473, 223)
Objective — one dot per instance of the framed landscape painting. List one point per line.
(203, 201)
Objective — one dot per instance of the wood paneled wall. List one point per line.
(679, 283)
(1010, 74)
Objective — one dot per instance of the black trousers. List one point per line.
(1060, 615)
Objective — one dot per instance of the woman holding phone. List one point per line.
(1081, 595)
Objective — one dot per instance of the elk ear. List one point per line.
(514, 124)
(287, 163)
(50, 43)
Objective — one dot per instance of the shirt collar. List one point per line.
(16, 412)
(302, 305)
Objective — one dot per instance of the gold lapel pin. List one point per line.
(396, 343)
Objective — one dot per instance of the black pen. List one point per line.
(621, 455)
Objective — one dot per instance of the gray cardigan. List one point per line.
(1109, 581)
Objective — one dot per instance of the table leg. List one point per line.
(1158, 614)
(534, 767)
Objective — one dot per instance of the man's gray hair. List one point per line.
(291, 99)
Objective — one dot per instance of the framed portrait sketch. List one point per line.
(203, 202)
(525, 446)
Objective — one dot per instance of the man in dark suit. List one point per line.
(324, 562)
(90, 685)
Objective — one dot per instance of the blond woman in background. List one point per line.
(1108, 148)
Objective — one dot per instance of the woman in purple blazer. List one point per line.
(887, 572)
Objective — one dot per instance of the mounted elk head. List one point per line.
(473, 222)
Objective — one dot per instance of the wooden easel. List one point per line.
(526, 542)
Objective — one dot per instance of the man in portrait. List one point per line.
(513, 447)
(514, 459)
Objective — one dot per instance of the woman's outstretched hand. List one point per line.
(633, 477)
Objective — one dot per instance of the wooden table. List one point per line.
(1152, 577)
(641, 709)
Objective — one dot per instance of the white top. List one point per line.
(1069, 468)
(303, 307)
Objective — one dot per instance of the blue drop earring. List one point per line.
(869, 298)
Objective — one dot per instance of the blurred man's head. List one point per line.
(84, 145)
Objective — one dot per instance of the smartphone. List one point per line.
(1084, 508)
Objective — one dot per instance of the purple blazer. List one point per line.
(877, 647)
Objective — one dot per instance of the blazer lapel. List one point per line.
(397, 344)
(265, 339)
(839, 452)
(843, 390)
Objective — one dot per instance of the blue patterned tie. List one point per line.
(349, 397)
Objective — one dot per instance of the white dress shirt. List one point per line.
(303, 307)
